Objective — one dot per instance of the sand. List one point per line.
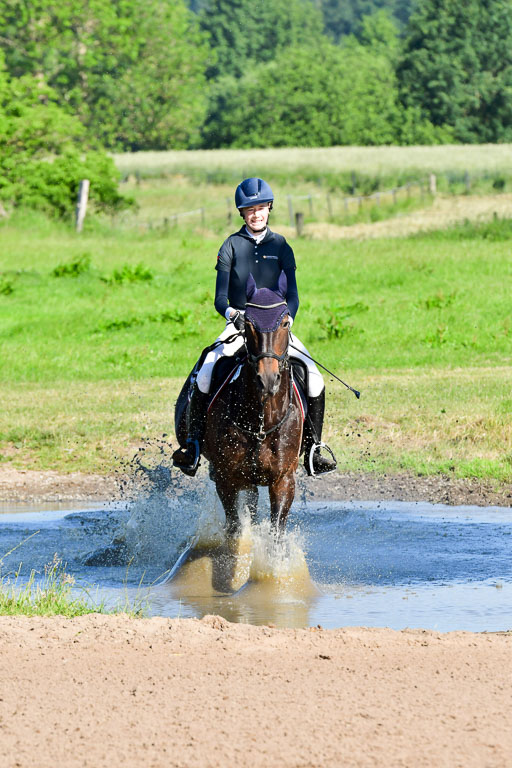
(115, 691)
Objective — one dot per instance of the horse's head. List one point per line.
(267, 325)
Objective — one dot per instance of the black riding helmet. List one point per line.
(253, 191)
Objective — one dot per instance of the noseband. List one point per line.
(254, 359)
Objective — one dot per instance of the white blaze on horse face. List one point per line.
(256, 217)
(269, 376)
(268, 370)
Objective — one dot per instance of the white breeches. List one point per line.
(204, 376)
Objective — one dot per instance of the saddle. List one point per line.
(223, 373)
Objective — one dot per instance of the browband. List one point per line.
(265, 306)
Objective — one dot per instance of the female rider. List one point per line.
(257, 250)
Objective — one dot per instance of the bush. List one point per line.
(42, 158)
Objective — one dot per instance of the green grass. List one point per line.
(98, 331)
(51, 595)
(320, 161)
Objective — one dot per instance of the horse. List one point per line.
(254, 426)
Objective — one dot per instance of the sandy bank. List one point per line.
(109, 691)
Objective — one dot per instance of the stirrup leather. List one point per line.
(313, 448)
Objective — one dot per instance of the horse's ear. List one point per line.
(250, 287)
(282, 284)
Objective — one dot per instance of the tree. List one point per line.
(41, 152)
(245, 33)
(456, 68)
(132, 70)
(307, 97)
(345, 17)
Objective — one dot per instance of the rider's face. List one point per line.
(256, 217)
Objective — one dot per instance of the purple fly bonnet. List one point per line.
(265, 308)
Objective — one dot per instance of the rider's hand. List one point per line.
(238, 321)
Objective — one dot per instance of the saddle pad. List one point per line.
(301, 397)
(223, 374)
(227, 367)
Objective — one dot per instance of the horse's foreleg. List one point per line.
(281, 493)
(252, 503)
(229, 500)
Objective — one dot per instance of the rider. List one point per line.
(257, 250)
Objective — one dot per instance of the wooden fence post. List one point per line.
(290, 210)
(299, 223)
(432, 184)
(81, 206)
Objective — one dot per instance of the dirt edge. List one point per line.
(26, 485)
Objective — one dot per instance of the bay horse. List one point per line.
(254, 425)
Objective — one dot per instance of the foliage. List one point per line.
(346, 17)
(49, 596)
(131, 70)
(457, 67)
(313, 97)
(41, 163)
(6, 287)
(130, 274)
(246, 33)
(73, 268)
(147, 74)
(322, 96)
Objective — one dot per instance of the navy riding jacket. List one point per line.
(240, 255)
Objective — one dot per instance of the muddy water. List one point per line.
(340, 564)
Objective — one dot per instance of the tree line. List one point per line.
(166, 74)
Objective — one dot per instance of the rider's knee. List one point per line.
(315, 384)
(204, 378)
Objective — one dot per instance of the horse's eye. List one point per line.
(286, 324)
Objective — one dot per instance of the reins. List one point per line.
(261, 434)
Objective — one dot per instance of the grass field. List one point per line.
(98, 331)
(321, 161)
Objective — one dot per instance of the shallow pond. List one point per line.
(375, 564)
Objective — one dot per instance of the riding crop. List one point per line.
(356, 393)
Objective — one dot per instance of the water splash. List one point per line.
(280, 562)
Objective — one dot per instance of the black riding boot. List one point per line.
(187, 459)
(314, 462)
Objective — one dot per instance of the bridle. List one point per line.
(252, 360)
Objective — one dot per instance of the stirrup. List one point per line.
(312, 451)
(191, 468)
